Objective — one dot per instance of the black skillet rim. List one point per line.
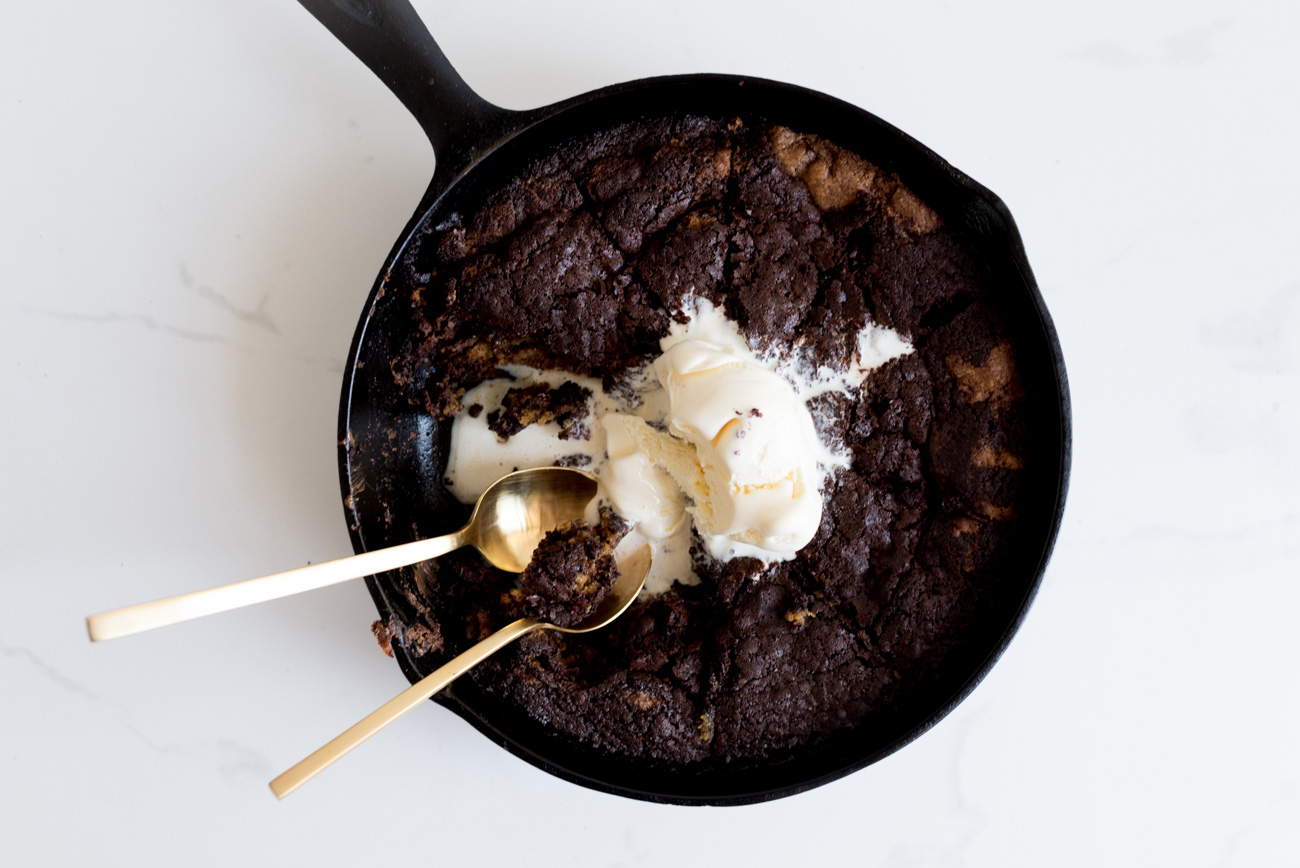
(997, 226)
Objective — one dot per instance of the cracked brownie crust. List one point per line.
(579, 263)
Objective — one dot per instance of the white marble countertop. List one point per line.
(194, 200)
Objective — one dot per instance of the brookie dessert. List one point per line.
(791, 379)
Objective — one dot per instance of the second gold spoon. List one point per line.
(633, 568)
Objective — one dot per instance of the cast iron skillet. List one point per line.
(391, 456)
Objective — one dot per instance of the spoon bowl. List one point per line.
(518, 509)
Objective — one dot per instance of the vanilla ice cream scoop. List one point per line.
(636, 482)
(740, 444)
(706, 440)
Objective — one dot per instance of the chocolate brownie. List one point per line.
(570, 573)
(579, 264)
(565, 405)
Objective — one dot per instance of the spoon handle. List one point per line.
(160, 613)
(403, 702)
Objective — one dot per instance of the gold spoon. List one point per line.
(508, 522)
(632, 570)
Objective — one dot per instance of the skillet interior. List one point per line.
(392, 455)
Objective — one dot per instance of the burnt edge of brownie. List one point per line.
(796, 239)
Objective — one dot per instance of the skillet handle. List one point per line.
(389, 38)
